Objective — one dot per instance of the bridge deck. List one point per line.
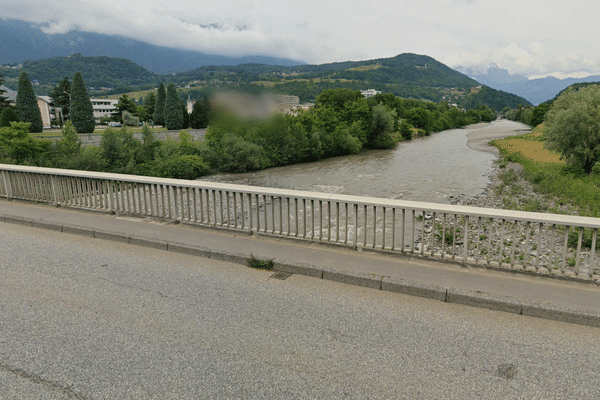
(540, 296)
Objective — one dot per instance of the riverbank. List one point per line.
(510, 189)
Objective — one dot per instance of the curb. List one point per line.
(378, 282)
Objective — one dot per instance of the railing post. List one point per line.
(53, 185)
(7, 185)
(466, 240)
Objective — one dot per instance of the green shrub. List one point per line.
(182, 167)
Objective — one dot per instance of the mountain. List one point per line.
(405, 75)
(20, 41)
(98, 71)
(536, 91)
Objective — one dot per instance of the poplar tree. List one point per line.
(159, 106)
(26, 106)
(173, 114)
(82, 111)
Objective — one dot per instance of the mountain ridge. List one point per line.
(20, 41)
(536, 90)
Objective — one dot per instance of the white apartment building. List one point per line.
(104, 107)
(369, 92)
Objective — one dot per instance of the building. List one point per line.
(11, 95)
(104, 108)
(369, 92)
(48, 112)
(50, 115)
(286, 100)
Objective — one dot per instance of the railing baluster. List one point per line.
(592, 253)
(346, 230)
(539, 248)
(453, 236)
(466, 240)
(432, 234)
(564, 257)
(374, 226)
(365, 225)
(355, 240)
(578, 250)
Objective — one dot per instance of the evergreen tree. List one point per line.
(61, 96)
(68, 148)
(199, 116)
(159, 106)
(26, 106)
(150, 104)
(124, 104)
(8, 115)
(173, 116)
(82, 111)
(185, 123)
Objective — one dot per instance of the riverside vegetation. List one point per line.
(342, 122)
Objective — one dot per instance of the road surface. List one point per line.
(91, 319)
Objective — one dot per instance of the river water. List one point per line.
(451, 164)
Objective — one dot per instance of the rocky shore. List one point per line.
(508, 189)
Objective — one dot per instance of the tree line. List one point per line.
(342, 122)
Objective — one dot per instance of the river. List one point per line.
(451, 164)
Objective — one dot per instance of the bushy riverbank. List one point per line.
(528, 177)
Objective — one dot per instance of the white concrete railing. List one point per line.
(498, 238)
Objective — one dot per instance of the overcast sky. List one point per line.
(535, 38)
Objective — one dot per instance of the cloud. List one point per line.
(513, 54)
(458, 32)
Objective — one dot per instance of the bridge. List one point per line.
(512, 240)
(378, 243)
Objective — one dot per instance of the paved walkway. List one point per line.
(539, 296)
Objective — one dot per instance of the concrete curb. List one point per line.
(450, 295)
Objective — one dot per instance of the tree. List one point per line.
(406, 131)
(382, 127)
(185, 122)
(82, 111)
(141, 113)
(26, 106)
(537, 116)
(159, 108)
(572, 127)
(8, 115)
(150, 104)
(129, 119)
(173, 116)
(124, 104)
(68, 148)
(200, 112)
(17, 146)
(61, 96)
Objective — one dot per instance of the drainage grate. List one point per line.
(281, 275)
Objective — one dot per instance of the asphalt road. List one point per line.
(89, 319)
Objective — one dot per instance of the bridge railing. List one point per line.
(546, 243)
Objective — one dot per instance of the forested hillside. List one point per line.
(98, 71)
(406, 75)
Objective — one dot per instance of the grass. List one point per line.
(259, 264)
(98, 131)
(365, 67)
(549, 174)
